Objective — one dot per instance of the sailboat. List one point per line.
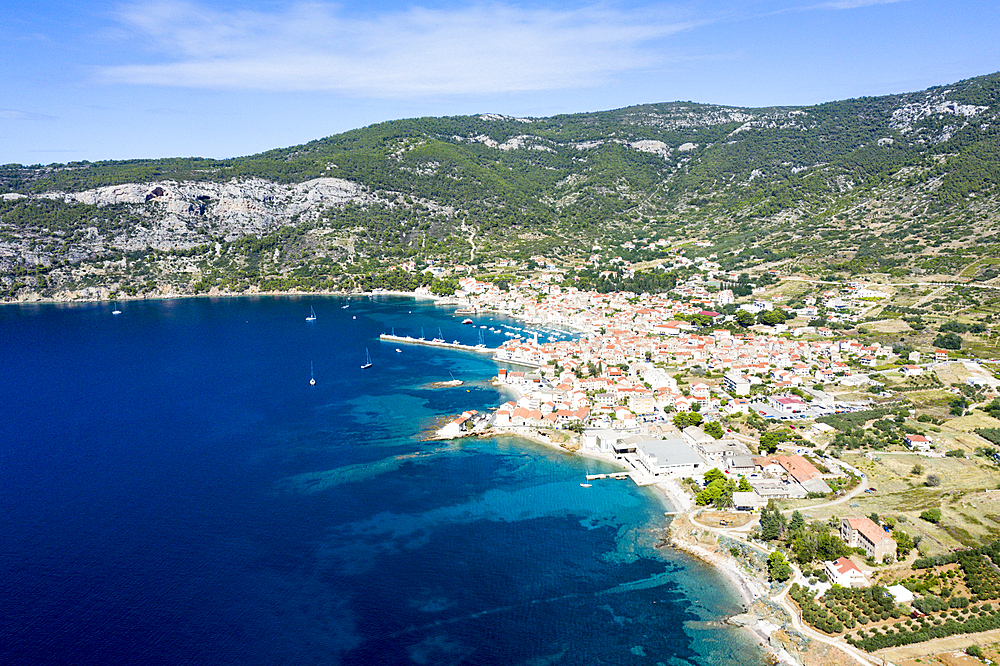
(312, 314)
(347, 304)
(368, 360)
(116, 311)
(312, 379)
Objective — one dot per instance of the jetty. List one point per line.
(609, 475)
(637, 477)
(409, 340)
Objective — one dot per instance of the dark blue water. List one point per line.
(173, 491)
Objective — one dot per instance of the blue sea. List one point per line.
(174, 491)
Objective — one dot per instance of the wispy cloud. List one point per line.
(475, 49)
(852, 4)
(14, 114)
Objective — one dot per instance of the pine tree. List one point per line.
(770, 523)
(797, 523)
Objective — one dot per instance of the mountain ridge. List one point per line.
(825, 183)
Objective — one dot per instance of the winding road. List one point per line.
(781, 598)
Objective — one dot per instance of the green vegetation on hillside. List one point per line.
(902, 185)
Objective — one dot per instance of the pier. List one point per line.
(609, 475)
(637, 477)
(481, 349)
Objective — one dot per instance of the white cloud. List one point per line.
(474, 49)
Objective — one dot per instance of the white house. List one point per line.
(787, 404)
(859, 379)
(736, 383)
(918, 442)
(738, 405)
(738, 465)
(748, 501)
(845, 573)
(695, 435)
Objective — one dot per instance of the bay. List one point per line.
(174, 491)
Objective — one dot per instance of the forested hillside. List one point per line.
(902, 185)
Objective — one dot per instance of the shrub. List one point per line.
(948, 341)
(931, 515)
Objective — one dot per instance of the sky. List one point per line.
(105, 80)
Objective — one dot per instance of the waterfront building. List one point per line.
(670, 458)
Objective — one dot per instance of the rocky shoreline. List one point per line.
(103, 295)
(766, 622)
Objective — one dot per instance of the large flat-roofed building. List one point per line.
(718, 450)
(777, 489)
(670, 457)
(736, 383)
(611, 442)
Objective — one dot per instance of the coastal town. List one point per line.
(500, 334)
(734, 420)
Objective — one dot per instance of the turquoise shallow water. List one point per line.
(175, 492)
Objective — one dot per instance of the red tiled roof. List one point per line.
(843, 565)
(868, 528)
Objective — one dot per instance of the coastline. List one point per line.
(747, 586)
(676, 501)
(755, 619)
(244, 294)
(668, 492)
(428, 549)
